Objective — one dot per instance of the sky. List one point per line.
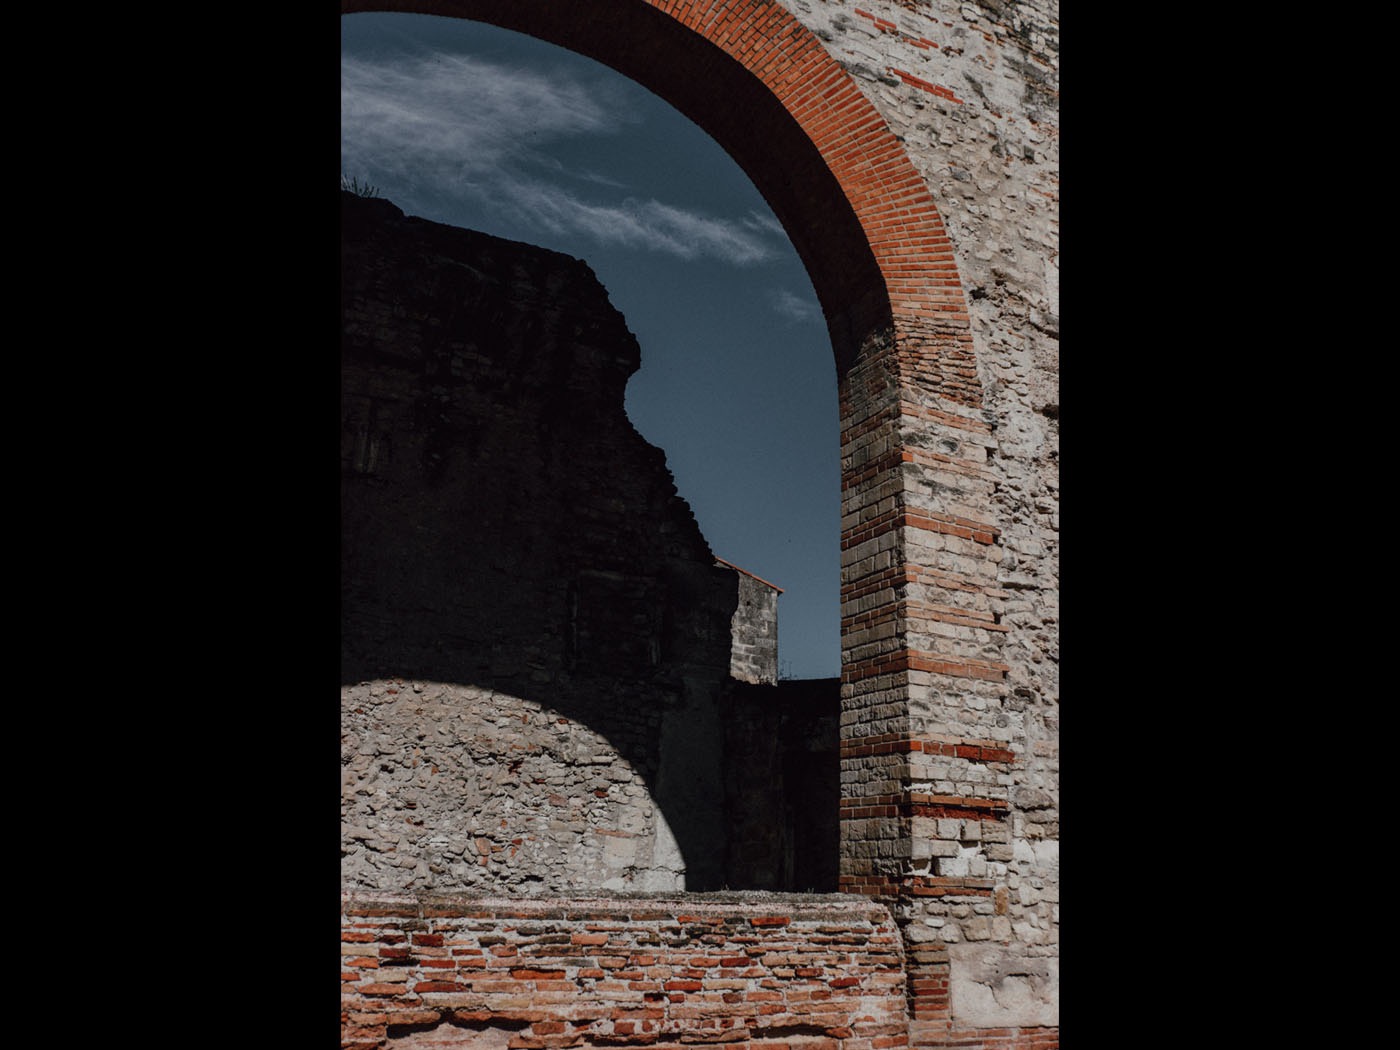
(478, 127)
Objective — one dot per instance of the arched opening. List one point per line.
(487, 129)
(870, 236)
(776, 744)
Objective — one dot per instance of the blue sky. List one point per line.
(474, 126)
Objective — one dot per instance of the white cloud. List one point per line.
(461, 126)
(647, 224)
(765, 223)
(460, 114)
(794, 307)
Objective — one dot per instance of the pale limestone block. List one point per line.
(994, 986)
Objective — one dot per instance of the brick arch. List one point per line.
(921, 637)
(765, 88)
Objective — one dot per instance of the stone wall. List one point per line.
(535, 635)
(970, 87)
(529, 705)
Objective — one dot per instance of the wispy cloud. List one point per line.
(646, 224)
(793, 307)
(459, 113)
(445, 124)
(764, 224)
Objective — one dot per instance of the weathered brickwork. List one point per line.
(910, 149)
(971, 90)
(817, 973)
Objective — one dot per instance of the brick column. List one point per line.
(923, 761)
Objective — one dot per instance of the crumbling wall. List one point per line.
(535, 635)
(971, 88)
(822, 973)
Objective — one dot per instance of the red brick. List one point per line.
(472, 1016)
(414, 1017)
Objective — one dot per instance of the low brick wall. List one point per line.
(805, 972)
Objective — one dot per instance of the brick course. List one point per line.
(815, 972)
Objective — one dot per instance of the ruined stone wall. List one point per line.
(822, 973)
(971, 89)
(535, 636)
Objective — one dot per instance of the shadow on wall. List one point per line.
(535, 636)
